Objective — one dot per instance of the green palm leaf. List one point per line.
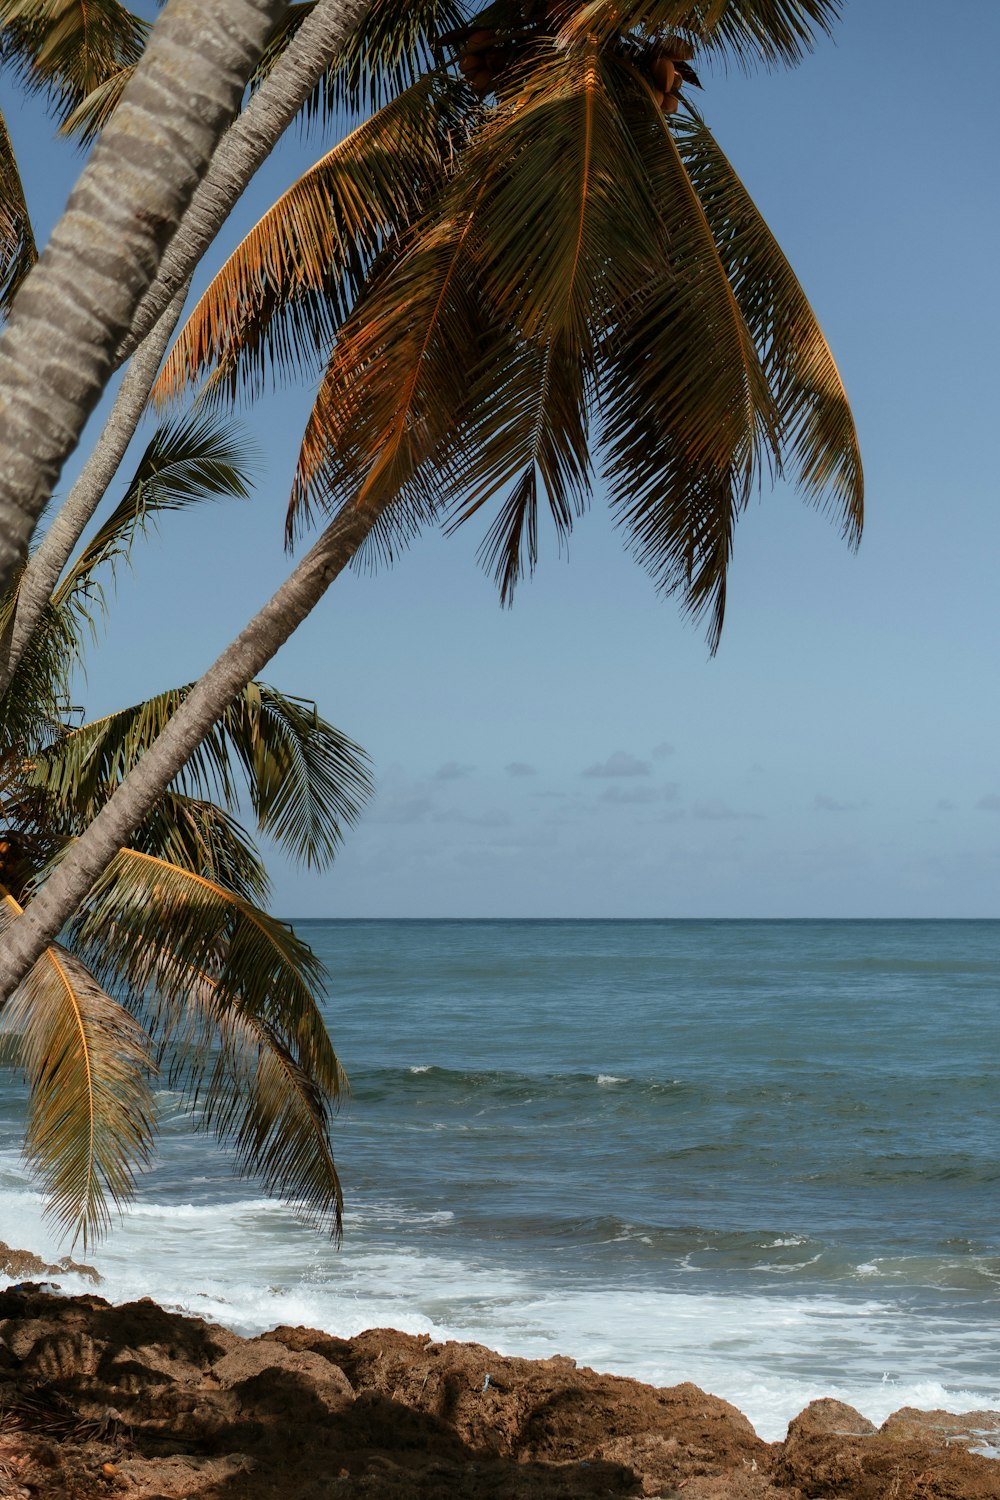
(690, 417)
(395, 45)
(69, 48)
(94, 111)
(251, 1089)
(18, 252)
(149, 924)
(90, 1121)
(526, 437)
(306, 781)
(279, 298)
(817, 427)
(198, 836)
(187, 462)
(32, 708)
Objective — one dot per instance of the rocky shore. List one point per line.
(97, 1400)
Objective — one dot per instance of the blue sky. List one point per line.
(581, 755)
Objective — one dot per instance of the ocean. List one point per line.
(761, 1156)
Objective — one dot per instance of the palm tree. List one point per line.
(570, 275)
(581, 277)
(291, 79)
(173, 961)
(57, 352)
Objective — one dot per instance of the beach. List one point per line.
(756, 1157)
(136, 1401)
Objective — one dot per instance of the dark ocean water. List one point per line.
(760, 1155)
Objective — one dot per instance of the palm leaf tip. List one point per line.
(87, 1061)
(233, 996)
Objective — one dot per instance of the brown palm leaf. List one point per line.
(87, 1061)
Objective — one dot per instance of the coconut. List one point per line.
(664, 73)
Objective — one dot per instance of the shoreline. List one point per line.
(137, 1401)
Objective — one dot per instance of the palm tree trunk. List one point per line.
(249, 142)
(243, 149)
(76, 306)
(243, 659)
(44, 567)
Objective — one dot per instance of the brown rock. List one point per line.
(832, 1451)
(20, 1264)
(828, 1418)
(139, 1402)
(968, 1429)
(263, 1356)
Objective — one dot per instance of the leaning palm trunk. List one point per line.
(246, 146)
(44, 569)
(243, 149)
(44, 917)
(58, 350)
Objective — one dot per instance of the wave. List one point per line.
(427, 1078)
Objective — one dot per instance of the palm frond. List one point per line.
(68, 48)
(31, 831)
(398, 376)
(690, 418)
(18, 252)
(94, 111)
(32, 708)
(817, 429)
(306, 781)
(198, 836)
(395, 45)
(186, 462)
(90, 1121)
(567, 228)
(149, 924)
(277, 302)
(250, 1087)
(526, 434)
(747, 31)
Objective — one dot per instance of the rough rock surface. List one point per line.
(98, 1400)
(20, 1264)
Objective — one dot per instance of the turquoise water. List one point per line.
(759, 1155)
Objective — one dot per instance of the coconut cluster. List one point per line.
(486, 52)
(482, 58)
(667, 69)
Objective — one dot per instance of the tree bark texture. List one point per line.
(242, 660)
(240, 153)
(45, 566)
(73, 311)
(246, 145)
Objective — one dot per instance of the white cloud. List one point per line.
(662, 750)
(990, 803)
